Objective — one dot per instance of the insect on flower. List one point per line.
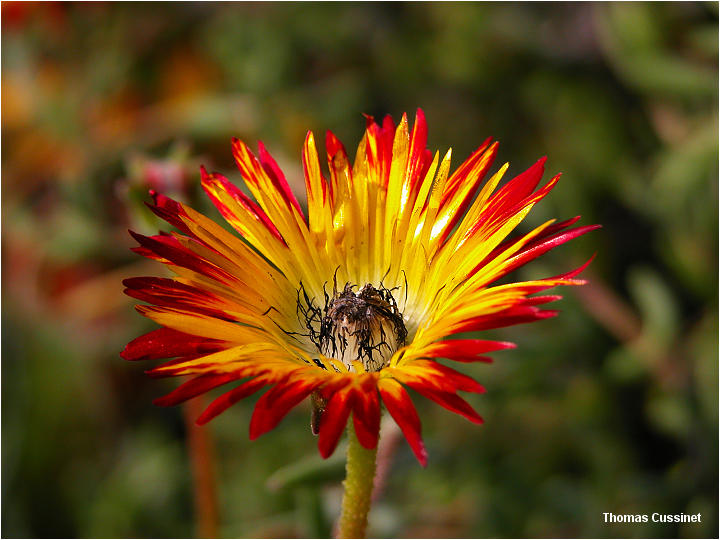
(357, 300)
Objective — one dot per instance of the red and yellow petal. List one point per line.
(168, 343)
(398, 403)
(334, 420)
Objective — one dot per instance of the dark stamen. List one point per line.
(366, 326)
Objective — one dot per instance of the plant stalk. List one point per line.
(200, 450)
(358, 484)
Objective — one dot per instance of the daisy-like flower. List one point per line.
(355, 301)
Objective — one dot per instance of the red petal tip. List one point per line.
(369, 120)
(203, 419)
(421, 456)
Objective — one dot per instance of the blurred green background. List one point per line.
(611, 407)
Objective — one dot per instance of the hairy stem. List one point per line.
(358, 484)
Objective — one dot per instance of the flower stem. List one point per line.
(360, 473)
(200, 450)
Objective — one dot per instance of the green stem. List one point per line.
(358, 488)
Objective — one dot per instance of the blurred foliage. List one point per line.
(611, 407)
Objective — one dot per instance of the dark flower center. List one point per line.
(366, 326)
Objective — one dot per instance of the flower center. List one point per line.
(366, 326)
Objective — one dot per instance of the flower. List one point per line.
(354, 302)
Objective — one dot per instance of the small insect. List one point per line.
(318, 408)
